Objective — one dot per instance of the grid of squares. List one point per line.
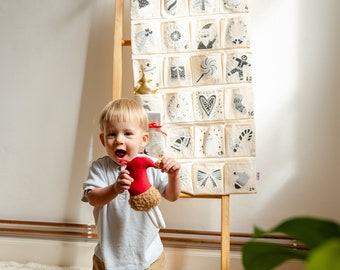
(197, 54)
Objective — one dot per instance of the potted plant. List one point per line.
(320, 237)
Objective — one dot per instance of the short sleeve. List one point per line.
(101, 174)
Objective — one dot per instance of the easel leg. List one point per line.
(225, 233)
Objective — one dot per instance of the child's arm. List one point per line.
(173, 189)
(100, 196)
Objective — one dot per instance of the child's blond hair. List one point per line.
(124, 110)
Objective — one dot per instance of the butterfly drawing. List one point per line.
(213, 177)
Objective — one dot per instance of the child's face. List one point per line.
(123, 139)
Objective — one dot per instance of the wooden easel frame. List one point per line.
(118, 44)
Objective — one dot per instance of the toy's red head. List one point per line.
(137, 168)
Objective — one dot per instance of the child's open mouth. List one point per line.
(120, 153)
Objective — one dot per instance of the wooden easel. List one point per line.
(118, 44)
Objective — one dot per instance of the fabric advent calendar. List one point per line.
(196, 53)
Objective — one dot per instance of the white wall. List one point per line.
(56, 75)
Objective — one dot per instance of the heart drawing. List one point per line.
(207, 104)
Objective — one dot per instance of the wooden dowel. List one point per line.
(117, 75)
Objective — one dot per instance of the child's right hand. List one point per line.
(123, 182)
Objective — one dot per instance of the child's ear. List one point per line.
(145, 139)
(102, 139)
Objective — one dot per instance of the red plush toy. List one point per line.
(143, 195)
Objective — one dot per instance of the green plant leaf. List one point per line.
(259, 232)
(326, 256)
(266, 256)
(310, 231)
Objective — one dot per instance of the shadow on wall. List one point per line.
(316, 183)
(96, 93)
(296, 114)
(312, 188)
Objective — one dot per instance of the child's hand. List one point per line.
(123, 182)
(170, 166)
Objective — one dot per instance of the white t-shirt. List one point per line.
(127, 238)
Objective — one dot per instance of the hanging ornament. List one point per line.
(145, 87)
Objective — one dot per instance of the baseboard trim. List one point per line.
(170, 237)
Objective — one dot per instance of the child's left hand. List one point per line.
(170, 166)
